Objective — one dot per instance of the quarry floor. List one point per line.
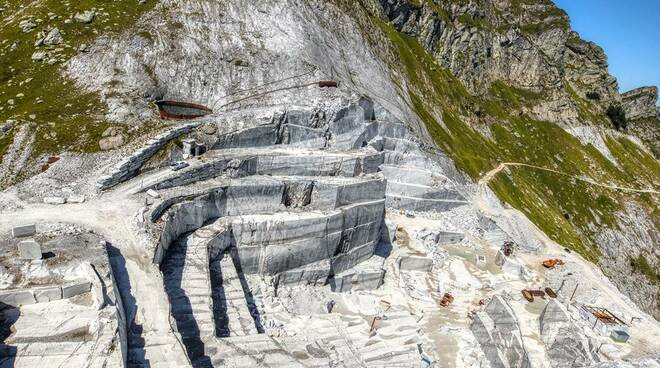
(443, 331)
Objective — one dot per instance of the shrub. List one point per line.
(617, 116)
(593, 95)
(641, 265)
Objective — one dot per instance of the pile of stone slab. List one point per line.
(72, 318)
(44, 294)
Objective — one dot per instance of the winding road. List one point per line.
(491, 174)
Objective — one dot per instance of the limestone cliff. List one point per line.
(643, 115)
(640, 102)
(528, 44)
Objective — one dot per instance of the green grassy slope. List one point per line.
(567, 210)
(63, 117)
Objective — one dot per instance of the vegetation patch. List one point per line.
(32, 87)
(617, 116)
(641, 265)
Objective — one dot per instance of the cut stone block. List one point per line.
(16, 298)
(620, 336)
(29, 249)
(153, 193)
(48, 294)
(54, 200)
(76, 199)
(25, 230)
(412, 263)
(75, 288)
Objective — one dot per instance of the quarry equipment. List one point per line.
(507, 248)
(446, 300)
(603, 315)
(530, 294)
(551, 293)
(551, 263)
(177, 110)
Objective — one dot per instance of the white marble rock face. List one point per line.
(29, 249)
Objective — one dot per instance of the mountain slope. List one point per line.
(512, 119)
(485, 81)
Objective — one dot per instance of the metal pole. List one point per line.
(561, 286)
(572, 295)
(373, 322)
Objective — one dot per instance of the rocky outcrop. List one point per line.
(497, 331)
(131, 165)
(564, 342)
(530, 46)
(640, 103)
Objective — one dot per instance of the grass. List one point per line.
(5, 142)
(641, 265)
(66, 119)
(643, 169)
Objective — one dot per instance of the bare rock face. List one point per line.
(640, 102)
(530, 46)
(563, 340)
(112, 138)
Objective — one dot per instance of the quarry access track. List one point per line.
(112, 216)
(491, 174)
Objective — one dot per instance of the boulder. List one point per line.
(85, 17)
(27, 25)
(29, 249)
(209, 128)
(47, 294)
(25, 230)
(111, 142)
(76, 198)
(76, 288)
(54, 37)
(413, 263)
(17, 297)
(39, 55)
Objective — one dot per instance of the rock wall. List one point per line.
(130, 166)
(497, 331)
(640, 103)
(528, 45)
